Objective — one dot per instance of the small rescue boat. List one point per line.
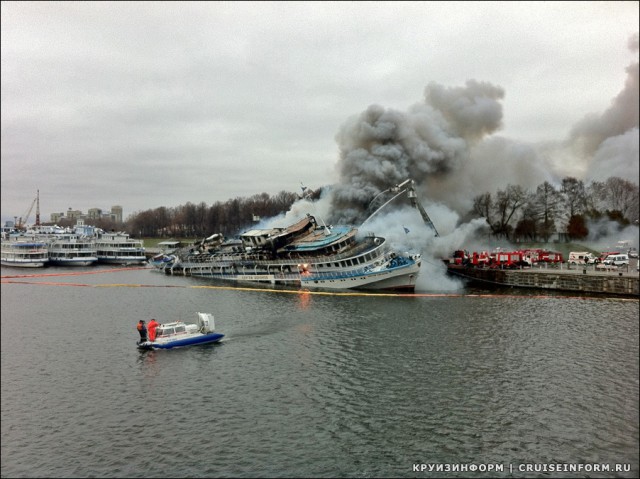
(179, 334)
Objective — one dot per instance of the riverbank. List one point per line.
(621, 282)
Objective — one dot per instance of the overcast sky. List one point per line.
(158, 104)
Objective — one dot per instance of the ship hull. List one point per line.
(73, 262)
(24, 264)
(401, 278)
(394, 279)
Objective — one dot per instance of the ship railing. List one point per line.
(342, 274)
(249, 261)
(367, 245)
(394, 264)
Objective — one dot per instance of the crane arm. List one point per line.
(408, 187)
(413, 197)
(24, 218)
(424, 214)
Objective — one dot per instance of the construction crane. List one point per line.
(22, 221)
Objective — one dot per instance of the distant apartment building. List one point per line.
(56, 217)
(115, 214)
(94, 214)
(73, 214)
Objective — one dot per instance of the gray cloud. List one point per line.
(103, 102)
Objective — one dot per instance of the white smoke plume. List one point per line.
(607, 144)
(614, 157)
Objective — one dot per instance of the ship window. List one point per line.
(180, 329)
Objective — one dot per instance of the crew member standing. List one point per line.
(153, 324)
(142, 329)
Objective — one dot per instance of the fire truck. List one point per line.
(533, 256)
(504, 259)
(481, 259)
(507, 259)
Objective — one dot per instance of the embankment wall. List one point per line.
(581, 281)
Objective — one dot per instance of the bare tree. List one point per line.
(622, 196)
(546, 204)
(508, 202)
(483, 207)
(574, 195)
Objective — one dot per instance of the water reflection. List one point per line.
(304, 299)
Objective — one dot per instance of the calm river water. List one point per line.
(312, 385)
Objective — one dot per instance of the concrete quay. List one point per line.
(622, 281)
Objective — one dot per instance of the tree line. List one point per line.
(518, 214)
(196, 221)
(513, 213)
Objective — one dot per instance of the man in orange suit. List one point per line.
(151, 327)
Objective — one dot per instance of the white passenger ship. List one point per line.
(24, 252)
(305, 254)
(119, 248)
(72, 250)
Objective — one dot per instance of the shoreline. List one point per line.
(576, 279)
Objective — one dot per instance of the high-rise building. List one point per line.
(116, 213)
(94, 213)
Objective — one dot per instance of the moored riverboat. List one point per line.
(72, 250)
(119, 248)
(24, 253)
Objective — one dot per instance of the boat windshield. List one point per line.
(170, 330)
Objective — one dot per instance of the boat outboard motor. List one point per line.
(205, 322)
